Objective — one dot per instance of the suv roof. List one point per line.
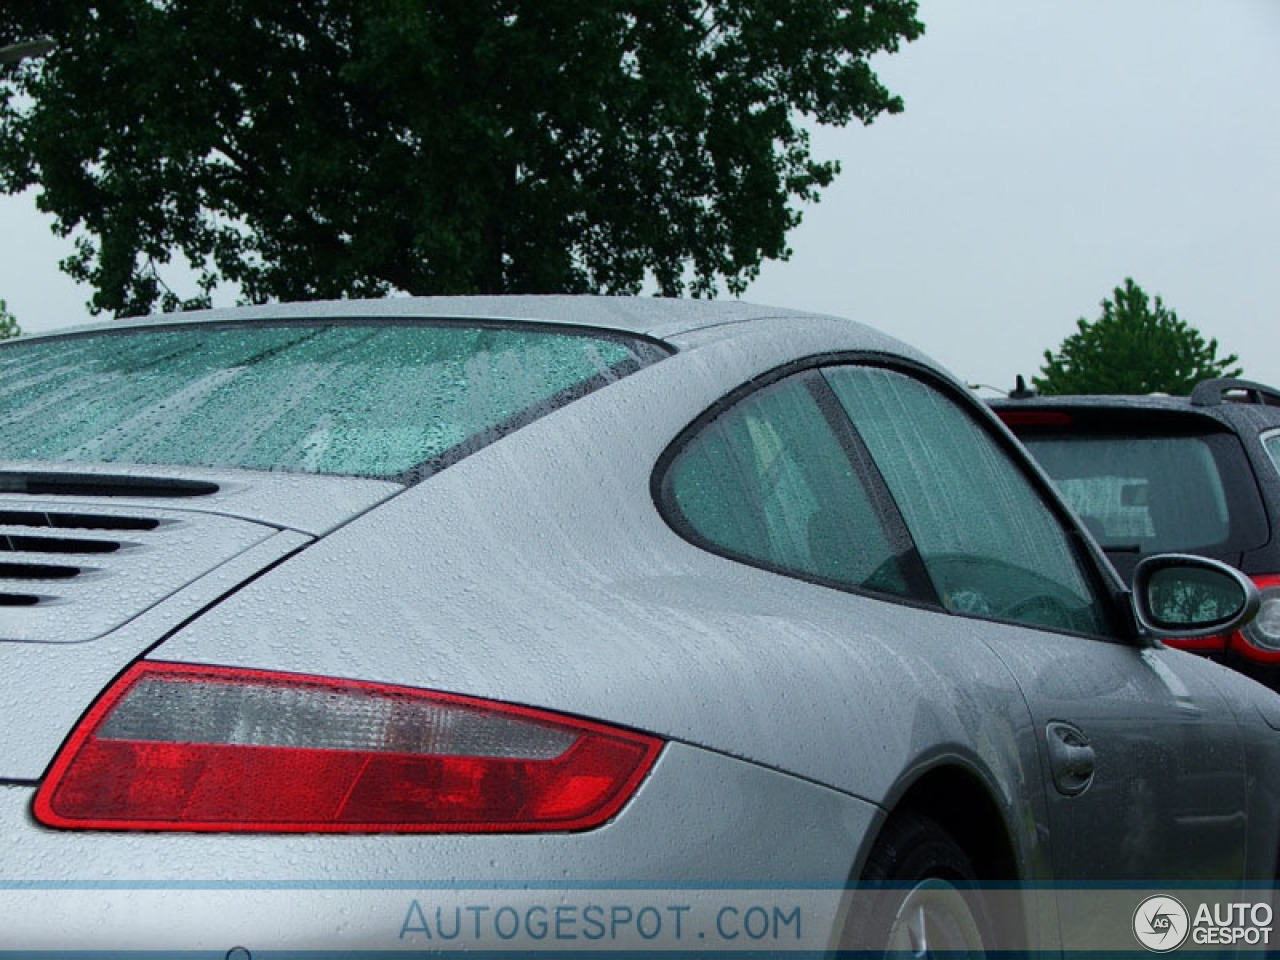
(1197, 474)
(1226, 397)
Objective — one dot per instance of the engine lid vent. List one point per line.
(56, 544)
(75, 521)
(35, 551)
(37, 571)
(69, 576)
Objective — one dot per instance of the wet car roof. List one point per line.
(657, 316)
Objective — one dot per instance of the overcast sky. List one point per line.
(1049, 149)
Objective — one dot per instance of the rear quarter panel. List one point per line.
(539, 571)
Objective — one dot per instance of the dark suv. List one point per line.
(1158, 474)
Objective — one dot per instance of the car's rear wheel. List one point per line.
(918, 895)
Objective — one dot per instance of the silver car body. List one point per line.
(539, 571)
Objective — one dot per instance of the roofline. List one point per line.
(658, 317)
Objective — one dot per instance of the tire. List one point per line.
(918, 896)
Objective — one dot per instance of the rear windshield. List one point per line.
(1143, 493)
(376, 399)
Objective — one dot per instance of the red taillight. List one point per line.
(180, 747)
(1259, 641)
(1034, 418)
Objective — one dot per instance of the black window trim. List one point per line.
(1093, 563)
(1113, 595)
(808, 369)
(919, 583)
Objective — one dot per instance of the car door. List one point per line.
(1142, 765)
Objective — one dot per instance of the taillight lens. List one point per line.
(1259, 641)
(181, 747)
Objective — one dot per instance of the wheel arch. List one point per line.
(966, 805)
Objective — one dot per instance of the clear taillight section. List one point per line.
(1259, 641)
(181, 747)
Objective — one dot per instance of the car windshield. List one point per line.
(1147, 494)
(378, 399)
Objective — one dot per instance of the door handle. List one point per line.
(1071, 758)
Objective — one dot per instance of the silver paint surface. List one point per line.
(538, 571)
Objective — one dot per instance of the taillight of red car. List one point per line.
(192, 748)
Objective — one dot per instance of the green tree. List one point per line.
(8, 323)
(1137, 346)
(358, 147)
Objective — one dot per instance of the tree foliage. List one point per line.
(8, 323)
(1136, 346)
(356, 147)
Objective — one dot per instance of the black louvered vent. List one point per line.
(37, 571)
(26, 544)
(40, 551)
(75, 521)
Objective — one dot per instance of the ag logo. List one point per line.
(1160, 923)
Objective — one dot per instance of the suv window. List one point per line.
(991, 545)
(1144, 494)
(1153, 484)
(1272, 445)
(770, 482)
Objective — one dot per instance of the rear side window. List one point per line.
(1272, 445)
(769, 482)
(378, 399)
(990, 543)
(1155, 491)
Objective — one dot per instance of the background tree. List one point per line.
(1136, 346)
(356, 147)
(8, 323)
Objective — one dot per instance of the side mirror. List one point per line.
(1176, 595)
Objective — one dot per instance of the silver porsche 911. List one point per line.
(579, 624)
